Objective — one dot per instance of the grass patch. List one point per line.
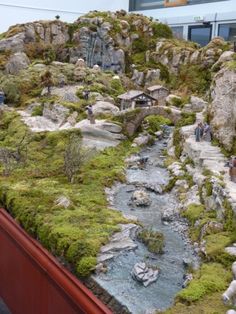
(209, 279)
(193, 213)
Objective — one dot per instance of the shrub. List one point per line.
(161, 30)
(154, 240)
(186, 119)
(155, 122)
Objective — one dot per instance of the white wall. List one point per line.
(15, 15)
(187, 14)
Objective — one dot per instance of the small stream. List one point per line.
(118, 281)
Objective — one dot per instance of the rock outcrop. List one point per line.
(223, 107)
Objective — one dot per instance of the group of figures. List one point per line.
(203, 132)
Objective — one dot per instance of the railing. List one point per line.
(32, 281)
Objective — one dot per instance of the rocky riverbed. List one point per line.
(160, 213)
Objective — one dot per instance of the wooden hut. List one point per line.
(135, 99)
(159, 92)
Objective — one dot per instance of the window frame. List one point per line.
(190, 27)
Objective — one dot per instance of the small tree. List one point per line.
(75, 156)
(47, 81)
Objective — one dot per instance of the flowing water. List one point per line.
(118, 280)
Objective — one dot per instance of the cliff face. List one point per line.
(223, 107)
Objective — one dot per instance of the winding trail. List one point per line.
(205, 155)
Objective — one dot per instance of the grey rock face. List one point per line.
(14, 43)
(17, 62)
(104, 107)
(55, 113)
(197, 104)
(223, 107)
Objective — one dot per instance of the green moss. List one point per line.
(37, 111)
(29, 193)
(152, 239)
(208, 187)
(177, 139)
(216, 243)
(209, 304)
(86, 265)
(209, 279)
(186, 119)
(193, 212)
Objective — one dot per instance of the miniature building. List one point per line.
(159, 92)
(136, 99)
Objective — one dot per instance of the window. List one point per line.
(140, 5)
(178, 31)
(227, 31)
(200, 34)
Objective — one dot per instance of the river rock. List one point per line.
(187, 278)
(169, 215)
(141, 198)
(142, 140)
(144, 274)
(119, 242)
(154, 188)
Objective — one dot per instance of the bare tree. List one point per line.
(10, 159)
(75, 156)
(47, 81)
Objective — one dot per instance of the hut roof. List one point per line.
(132, 94)
(156, 87)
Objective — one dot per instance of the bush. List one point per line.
(186, 119)
(152, 239)
(155, 122)
(161, 30)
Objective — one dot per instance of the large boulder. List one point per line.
(104, 107)
(16, 63)
(14, 43)
(223, 107)
(55, 113)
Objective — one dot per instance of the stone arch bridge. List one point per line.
(133, 124)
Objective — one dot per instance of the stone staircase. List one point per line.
(207, 156)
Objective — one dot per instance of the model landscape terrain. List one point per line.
(58, 171)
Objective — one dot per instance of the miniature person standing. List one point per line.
(198, 132)
(232, 169)
(207, 132)
(86, 94)
(2, 98)
(90, 114)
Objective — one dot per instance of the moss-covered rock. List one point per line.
(154, 240)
